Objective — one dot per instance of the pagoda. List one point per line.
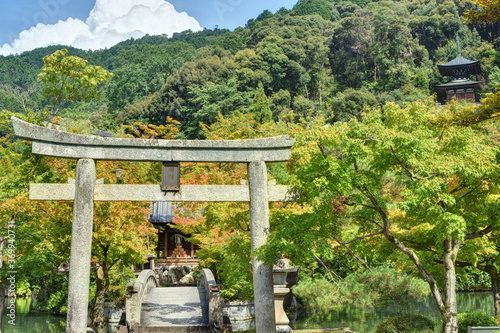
(461, 87)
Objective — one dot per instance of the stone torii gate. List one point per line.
(86, 149)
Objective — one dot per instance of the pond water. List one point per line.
(367, 320)
(26, 322)
(359, 320)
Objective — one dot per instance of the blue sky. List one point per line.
(57, 21)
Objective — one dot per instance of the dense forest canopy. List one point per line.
(326, 56)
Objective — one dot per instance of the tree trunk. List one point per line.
(495, 286)
(449, 310)
(102, 284)
(448, 306)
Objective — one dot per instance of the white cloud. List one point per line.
(109, 22)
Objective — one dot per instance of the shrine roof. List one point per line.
(161, 212)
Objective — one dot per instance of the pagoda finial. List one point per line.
(458, 45)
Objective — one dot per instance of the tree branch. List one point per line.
(363, 218)
(363, 237)
(352, 253)
(321, 150)
(479, 233)
(460, 187)
(329, 271)
(410, 253)
(469, 192)
(405, 167)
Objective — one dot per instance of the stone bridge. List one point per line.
(174, 309)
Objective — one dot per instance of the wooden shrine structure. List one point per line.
(172, 248)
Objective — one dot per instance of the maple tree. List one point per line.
(122, 234)
(150, 131)
(400, 174)
(220, 229)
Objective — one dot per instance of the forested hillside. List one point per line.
(323, 56)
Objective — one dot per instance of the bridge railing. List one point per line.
(144, 282)
(214, 298)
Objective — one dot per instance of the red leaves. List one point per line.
(339, 205)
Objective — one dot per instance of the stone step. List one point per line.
(175, 307)
(177, 329)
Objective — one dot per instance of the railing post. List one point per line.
(215, 315)
(133, 306)
(259, 230)
(81, 246)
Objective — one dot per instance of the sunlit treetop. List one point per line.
(70, 78)
(488, 12)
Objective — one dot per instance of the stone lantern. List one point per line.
(280, 272)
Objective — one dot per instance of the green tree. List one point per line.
(143, 70)
(122, 236)
(260, 106)
(382, 287)
(314, 7)
(402, 174)
(351, 102)
(69, 78)
(488, 11)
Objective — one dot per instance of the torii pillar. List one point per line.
(81, 247)
(259, 230)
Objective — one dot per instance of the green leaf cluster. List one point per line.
(407, 323)
(477, 319)
(69, 78)
(381, 287)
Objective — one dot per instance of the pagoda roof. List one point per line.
(459, 61)
(459, 84)
(441, 88)
(460, 66)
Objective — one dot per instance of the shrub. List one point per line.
(407, 323)
(57, 303)
(474, 319)
(23, 289)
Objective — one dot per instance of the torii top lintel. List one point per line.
(50, 142)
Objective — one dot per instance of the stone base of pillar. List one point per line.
(283, 329)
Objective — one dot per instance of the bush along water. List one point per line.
(474, 319)
(406, 323)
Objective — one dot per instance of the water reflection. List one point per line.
(367, 320)
(26, 322)
(359, 320)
